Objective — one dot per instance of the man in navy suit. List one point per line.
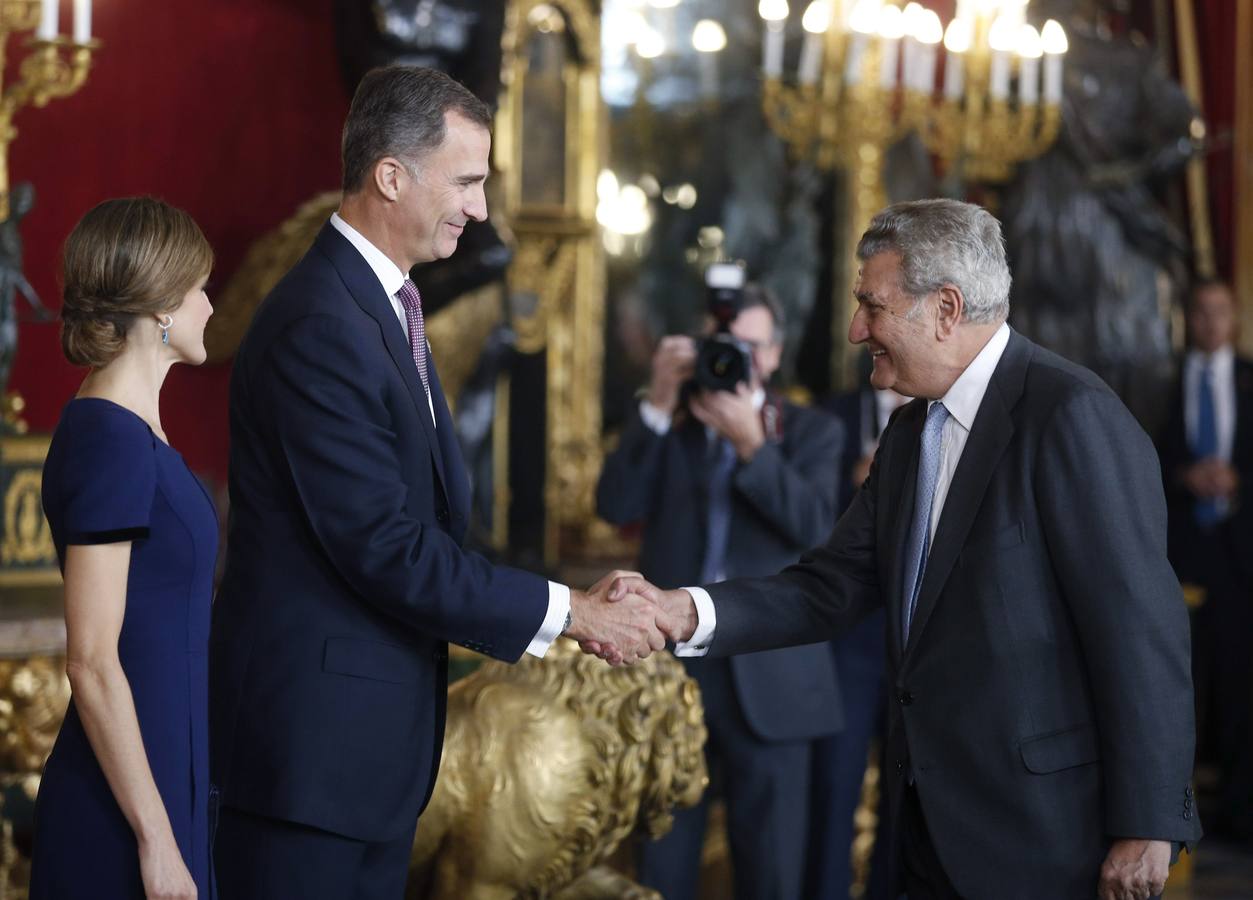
(1207, 463)
(735, 483)
(1013, 527)
(345, 576)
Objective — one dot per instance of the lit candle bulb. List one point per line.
(956, 43)
(1001, 40)
(891, 30)
(861, 23)
(708, 39)
(910, 48)
(773, 13)
(816, 21)
(47, 29)
(82, 21)
(930, 33)
(1029, 52)
(1054, 44)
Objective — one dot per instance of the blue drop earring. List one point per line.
(165, 329)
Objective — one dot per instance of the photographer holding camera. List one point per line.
(728, 480)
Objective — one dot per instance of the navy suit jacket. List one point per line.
(1044, 699)
(1191, 549)
(345, 576)
(783, 501)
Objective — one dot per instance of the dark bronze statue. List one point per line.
(1097, 261)
(13, 280)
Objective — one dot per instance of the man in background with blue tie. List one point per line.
(729, 483)
(345, 575)
(1013, 526)
(1207, 462)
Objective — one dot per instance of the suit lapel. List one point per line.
(364, 286)
(457, 482)
(989, 436)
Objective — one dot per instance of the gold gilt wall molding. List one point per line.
(551, 74)
(1242, 264)
(1197, 181)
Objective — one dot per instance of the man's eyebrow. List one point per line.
(471, 179)
(867, 297)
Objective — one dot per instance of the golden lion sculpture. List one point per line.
(547, 766)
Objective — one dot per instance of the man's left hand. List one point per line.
(733, 416)
(1134, 870)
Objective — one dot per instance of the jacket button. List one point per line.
(905, 698)
(442, 516)
(1187, 815)
(1187, 792)
(900, 766)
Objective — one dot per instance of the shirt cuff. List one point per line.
(554, 621)
(706, 620)
(657, 421)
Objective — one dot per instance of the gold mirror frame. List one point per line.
(558, 261)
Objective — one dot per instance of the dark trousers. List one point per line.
(839, 761)
(766, 790)
(924, 877)
(258, 858)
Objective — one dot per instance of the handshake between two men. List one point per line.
(623, 618)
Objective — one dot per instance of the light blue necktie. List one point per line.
(719, 523)
(1205, 442)
(919, 540)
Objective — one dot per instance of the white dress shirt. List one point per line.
(392, 278)
(962, 401)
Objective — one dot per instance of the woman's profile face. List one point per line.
(187, 331)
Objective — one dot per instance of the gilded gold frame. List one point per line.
(559, 260)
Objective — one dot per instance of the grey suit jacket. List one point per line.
(1044, 700)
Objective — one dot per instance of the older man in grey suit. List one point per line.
(1013, 525)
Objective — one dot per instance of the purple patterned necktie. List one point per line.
(412, 302)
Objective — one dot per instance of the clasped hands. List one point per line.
(622, 618)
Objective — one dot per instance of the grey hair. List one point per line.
(399, 111)
(945, 242)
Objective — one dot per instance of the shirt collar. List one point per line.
(1221, 361)
(963, 398)
(387, 272)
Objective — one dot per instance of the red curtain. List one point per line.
(230, 109)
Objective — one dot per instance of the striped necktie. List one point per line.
(411, 300)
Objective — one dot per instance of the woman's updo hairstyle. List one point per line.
(126, 258)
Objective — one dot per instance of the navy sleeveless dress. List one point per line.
(108, 478)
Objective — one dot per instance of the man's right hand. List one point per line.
(674, 362)
(622, 632)
(677, 609)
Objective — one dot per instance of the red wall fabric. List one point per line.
(230, 109)
(1216, 35)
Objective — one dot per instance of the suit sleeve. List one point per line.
(631, 475)
(1101, 505)
(797, 496)
(827, 592)
(332, 429)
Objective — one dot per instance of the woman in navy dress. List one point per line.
(123, 808)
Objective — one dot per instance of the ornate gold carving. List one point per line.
(557, 278)
(27, 554)
(548, 765)
(34, 694)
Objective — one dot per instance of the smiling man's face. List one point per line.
(901, 339)
(445, 190)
